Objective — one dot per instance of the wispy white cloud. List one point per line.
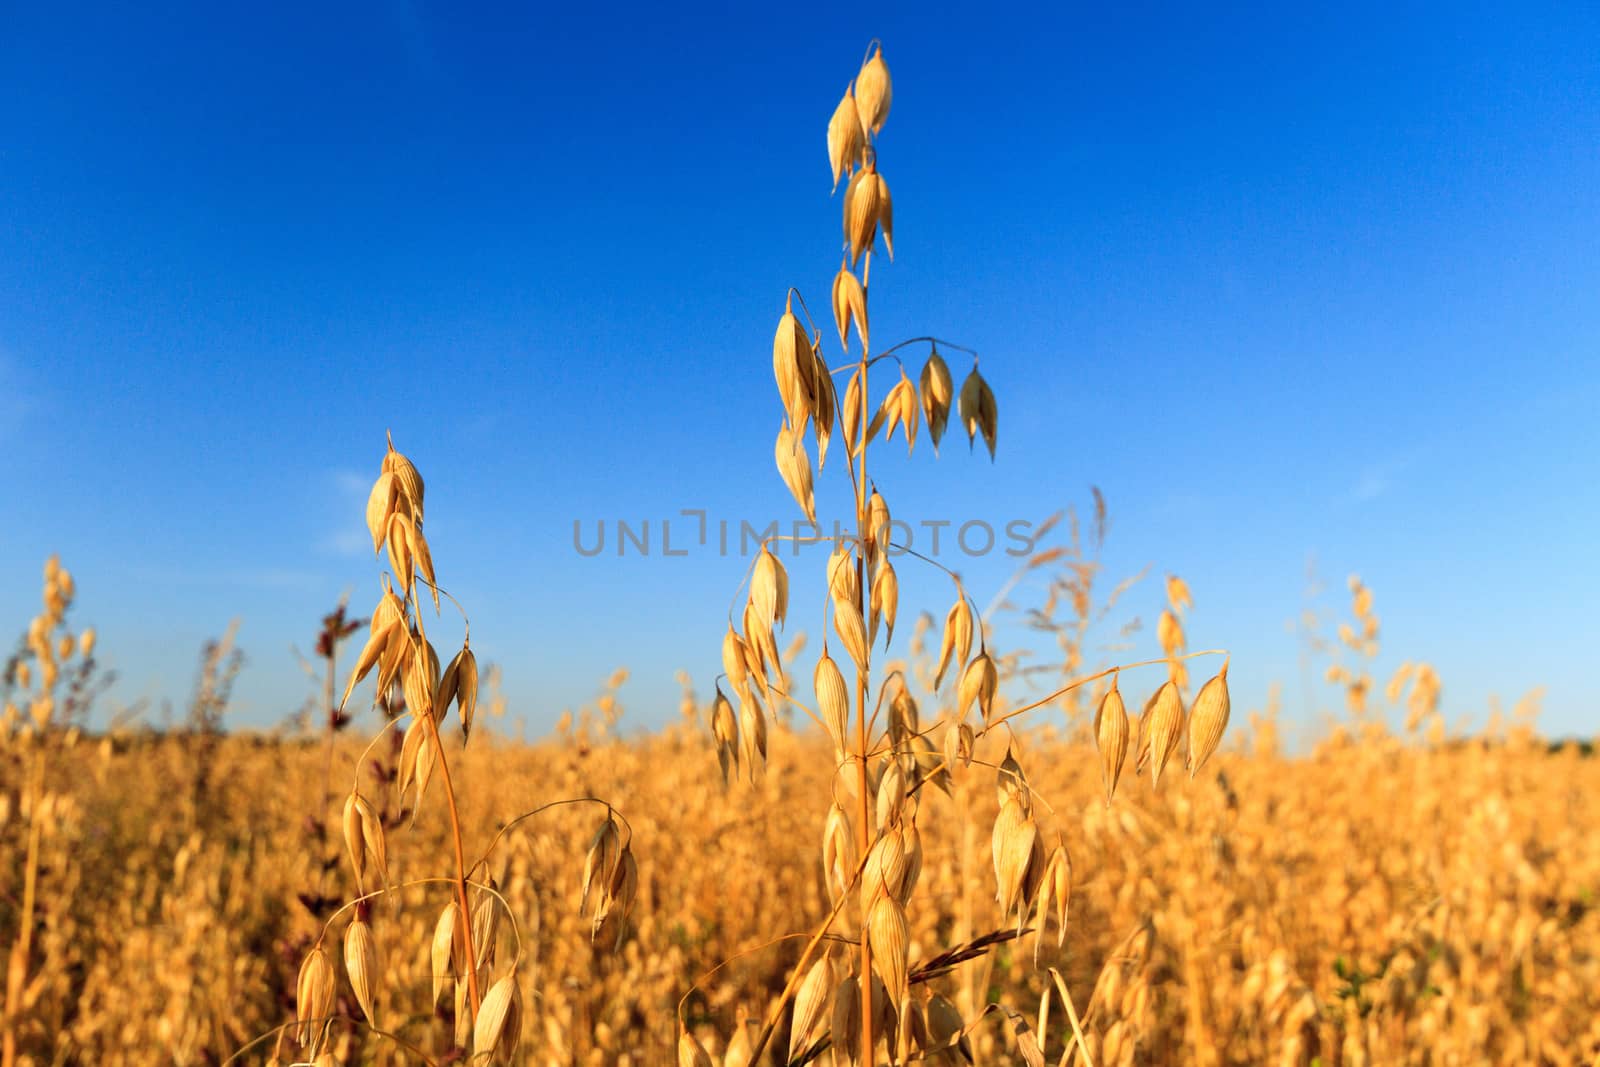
(1378, 479)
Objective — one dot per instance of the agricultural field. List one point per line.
(1001, 802)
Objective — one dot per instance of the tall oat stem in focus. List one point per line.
(872, 851)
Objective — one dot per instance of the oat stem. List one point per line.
(461, 861)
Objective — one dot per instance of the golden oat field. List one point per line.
(868, 839)
(1379, 899)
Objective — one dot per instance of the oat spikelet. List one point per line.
(1178, 593)
(978, 410)
(753, 738)
(769, 588)
(852, 631)
(354, 842)
(315, 992)
(947, 1030)
(408, 482)
(1111, 737)
(874, 92)
(844, 584)
(447, 951)
(380, 505)
(846, 139)
(979, 682)
(1166, 728)
(1012, 842)
(795, 467)
(891, 945)
(849, 305)
(839, 852)
(811, 1007)
(734, 664)
(885, 601)
(793, 368)
(863, 205)
(725, 731)
(937, 391)
(361, 964)
(1208, 719)
(957, 641)
(833, 700)
(690, 1052)
(499, 1025)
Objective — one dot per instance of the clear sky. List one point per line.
(1283, 284)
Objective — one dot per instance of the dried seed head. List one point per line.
(793, 368)
(852, 631)
(753, 738)
(937, 392)
(845, 1029)
(769, 588)
(839, 855)
(1166, 728)
(408, 483)
(844, 584)
(795, 467)
(1178, 593)
(947, 1029)
(447, 952)
(904, 717)
(957, 641)
(499, 1026)
(978, 410)
(979, 682)
(690, 1052)
(725, 731)
(361, 964)
(891, 792)
(354, 842)
(1012, 842)
(846, 139)
(380, 505)
(849, 305)
(811, 1007)
(833, 700)
(733, 658)
(466, 689)
(886, 868)
(885, 214)
(485, 927)
(879, 524)
(873, 92)
(1111, 737)
(1169, 632)
(1011, 783)
(891, 945)
(1208, 719)
(958, 743)
(885, 601)
(315, 992)
(823, 403)
(901, 407)
(863, 205)
(1055, 893)
(600, 864)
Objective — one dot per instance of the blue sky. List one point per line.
(1283, 284)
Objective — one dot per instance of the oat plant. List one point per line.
(469, 963)
(856, 992)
